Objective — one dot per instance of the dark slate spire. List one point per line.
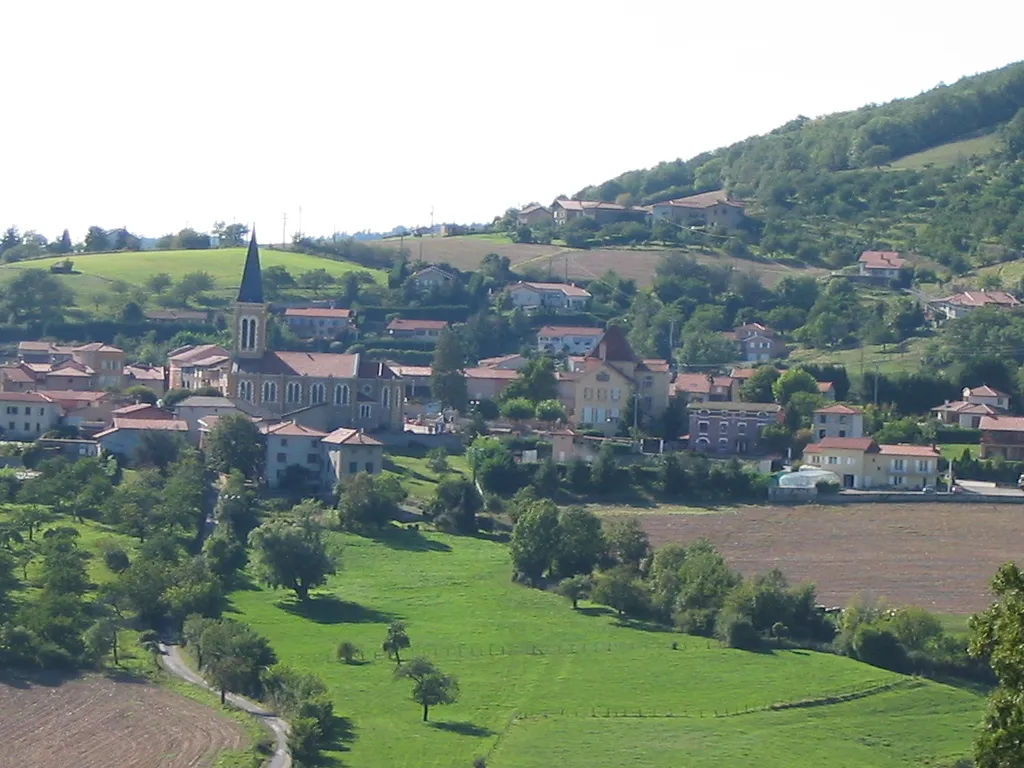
(251, 289)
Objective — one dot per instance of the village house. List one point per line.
(88, 412)
(142, 411)
(27, 415)
(431, 276)
(417, 330)
(961, 304)
(706, 209)
(838, 421)
(42, 352)
(564, 211)
(45, 366)
(1002, 437)
(151, 376)
(881, 265)
(611, 375)
(318, 322)
(976, 403)
(534, 295)
(124, 438)
(730, 428)
(533, 215)
(488, 383)
(198, 366)
(756, 342)
(862, 463)
(573, 340)
(289, 445)
(827, 389)
(348, 452)
(106, 360)
(196, 408)
(344, 389)
(693, 387)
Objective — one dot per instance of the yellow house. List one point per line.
(609, 376)
(862, 463)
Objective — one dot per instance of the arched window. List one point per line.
(247, 334)
(293, 392)
(269, 392)
(316, 394)
(385, 397)
(245, 390)
(341, 394)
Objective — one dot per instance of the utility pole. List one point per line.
(284, 229)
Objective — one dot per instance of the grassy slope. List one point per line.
(462, 610)
(417, 478)
(946, 155)
(98, 271)
(893, 358)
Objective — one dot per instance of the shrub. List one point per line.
(304, 740)
(116, 560)
(880, 648)
(737, 631)
(826, 487)
(348, 652)
(437, 460)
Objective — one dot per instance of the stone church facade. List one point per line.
(330, 390)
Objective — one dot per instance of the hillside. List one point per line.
(827, 188)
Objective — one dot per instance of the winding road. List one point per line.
(174, 662)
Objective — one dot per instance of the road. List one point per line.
(174, 662)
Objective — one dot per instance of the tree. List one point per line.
(455, 505)
(581, 542)
(97, 239)
(792, 381)
(517, 409)
(231, 235)
(369, 502)
(304, 737)
(546, 479)
(492, 463)
(29, 517)
(140, 393)
(36, 296)
(576, 588)
(397, 640)
(236, 443)
(101, 639)
(550, 411)
(234, 655)
(65, 243)
(431, 687)
(603, 470)
(190, 240)
(628, 542)
(192, 632)
(447, 378)
(758, 388)
(191, 284)
(276, 279)
(706, 347)
(536, 382)
(159, 282)
(292, 555)
(157, 448)
(534, 540)
(437, 460)
(620, 589)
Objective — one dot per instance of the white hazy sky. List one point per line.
(367, 115)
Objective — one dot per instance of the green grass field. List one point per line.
(946, 155)
(952, 451)
(890, 358)
(534, 675)
(417, 478)
(95, 273)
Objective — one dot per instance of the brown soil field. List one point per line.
(940, 557)
(96, 722)
(638, 264)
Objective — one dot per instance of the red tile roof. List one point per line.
(825, 386)
(532, 208)
(986, 391)
(165, 425)
(24, 397)
(345, 436)
(128, 410)
(97, 346)
(420, 371)
(340, 314)
(924, 451)
(695, 383)
(1002, 424)
(704, 200)
(865, 444)
(186, 355)
(145, 372)
(839, 408)
(292, 429)
(882, 260)
(981, 299)
(319, 365)
(656, 365)
(491, 373)
(742, 373)
(69, 395)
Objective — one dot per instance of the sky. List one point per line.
(348, 116)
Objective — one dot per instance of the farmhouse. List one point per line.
(533, 295)
(1002, 437)
(571, 339)
(318, 322)
(961, 304)
(706, 209)
(532, 215)
(860, 462)
(838, 421)
(417, 330)
(488, 383)
(564, 211)
(348, 452)
(431, 276)
(730, 427)
(883, 265)
(152, 376)
(976, 403)
(756, 342)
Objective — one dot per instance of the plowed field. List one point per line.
(94, 722)
(940, 557)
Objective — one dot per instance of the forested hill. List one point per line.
(810, 174)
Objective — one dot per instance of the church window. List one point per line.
(365, 411)
(248, 333)
(245, 390)
(316, 394)
(341, 394)
(269, 392)
(385, 397)
(293, 392)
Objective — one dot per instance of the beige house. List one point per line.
(152, 376)
(488, 383)
(611, 375)
(417, 330)
(881, 265)
(348, 452)
(292, 445)
(838, 421)
(976, 403)
(106, 360)
(1002, 437)
(574, 340)
(862, 463)
(504, 362)
(27, 415)
(706, 209)
(533, 295)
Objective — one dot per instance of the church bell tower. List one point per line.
(250, 318)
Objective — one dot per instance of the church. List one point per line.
(330, 390)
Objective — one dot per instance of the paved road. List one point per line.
(173, 662)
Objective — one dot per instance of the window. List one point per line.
(842, 433)
(602, 376)
(898, 480)
(28, 427)
(12, 409)
(815, 459)
(648, 382)
(898, 465)
(821, 433)
(850, 460)
(282, 458)
(923, 465)
(823, 419)
(293, 392)
(316, 394)
(385, 397)
(353, 467)
(741, 428)
(365, 410)
(341, 394)
(588, 393)
(702, 427)
(369, 467)
(284, 441)
(723, 427)
(10, 425)
(833, 459)
(247, 334)
(269, 392)
(245, 390)
(602, 393)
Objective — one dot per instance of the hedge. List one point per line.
(957, 435)
(100, 330)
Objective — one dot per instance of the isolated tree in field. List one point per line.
(236, 443)
(348, 652)
(628, 542)
(65, 245)
(396, 641)
(29, 517)
(534, 541)
(447, 378)
(455, 505)
(998, 637)
(101, 639)
(234, 656)
(431, 687)
(292, 555)
(581, 542)
(576, 588)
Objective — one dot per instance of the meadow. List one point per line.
(948, 155)
(886, 358)
(541, 681)
(96, 273)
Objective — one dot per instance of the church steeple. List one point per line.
(251, 289)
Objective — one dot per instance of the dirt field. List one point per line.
(939, 557)
(94, 722)
(639, 264)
